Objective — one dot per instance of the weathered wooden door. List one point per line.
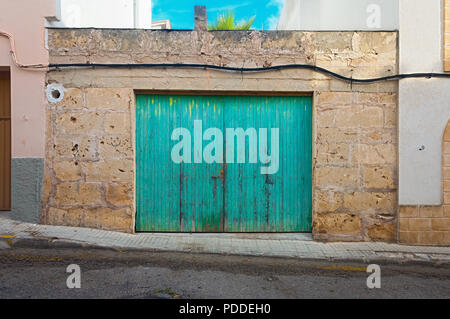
(223, 163)
(5, 141)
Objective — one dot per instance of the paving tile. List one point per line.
(282, 245)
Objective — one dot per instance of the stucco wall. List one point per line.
(424, 104)
(429, 225)
(24, 20)
(27, 87)
(89, 182)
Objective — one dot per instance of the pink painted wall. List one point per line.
(25, 20)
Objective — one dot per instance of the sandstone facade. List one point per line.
(89, 175)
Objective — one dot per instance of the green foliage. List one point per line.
(226, 21)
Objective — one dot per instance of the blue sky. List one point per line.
(181, 12)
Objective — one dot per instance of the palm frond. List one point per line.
(226, 21)
(246, 25)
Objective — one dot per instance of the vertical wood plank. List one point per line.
(5, 141)
(216, 197)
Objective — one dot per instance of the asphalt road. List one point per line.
(41, 273)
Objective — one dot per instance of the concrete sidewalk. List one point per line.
(18, 234)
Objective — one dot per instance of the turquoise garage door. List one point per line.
(214, 163)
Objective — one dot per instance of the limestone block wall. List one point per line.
(90, 160)
(429, 225)
(355, 166)
(89, 176)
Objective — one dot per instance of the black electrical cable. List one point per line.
(314, 68)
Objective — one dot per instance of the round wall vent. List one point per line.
(55, 93)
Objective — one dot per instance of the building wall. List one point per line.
(114, 14)
(424, 110)
(89, 170)
(24, 20)
(332, 15)
(430, 225)
(424, 104)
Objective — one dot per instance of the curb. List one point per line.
(49, 243)
(55, 243)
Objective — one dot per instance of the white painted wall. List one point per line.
(339, 15)
(424, 104)
(105, 14)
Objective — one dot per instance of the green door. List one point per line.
(223, 163)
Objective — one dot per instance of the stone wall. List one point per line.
(355, 166)
(89, 174)
(429, 225)
(89, 164)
